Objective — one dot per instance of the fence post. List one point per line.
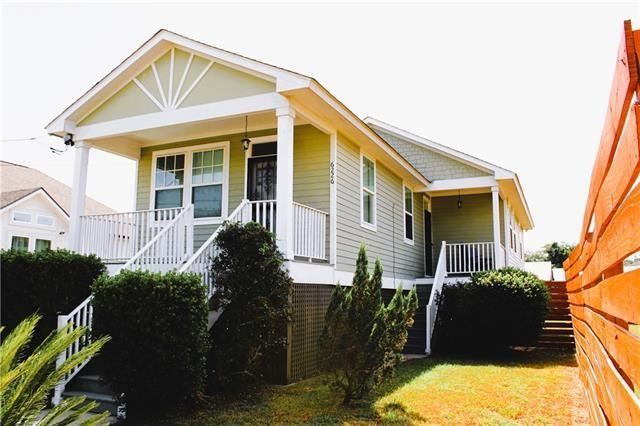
(59, 389)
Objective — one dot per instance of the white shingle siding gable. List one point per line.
(432, 165)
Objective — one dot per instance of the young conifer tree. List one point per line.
(362, 337)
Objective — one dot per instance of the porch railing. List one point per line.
(467, 258)
(119, 236)
(264, 212)
(171, 246)
(432, 305)
(309, 232)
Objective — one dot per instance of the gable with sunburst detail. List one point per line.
(178, 79)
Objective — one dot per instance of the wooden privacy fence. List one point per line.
(604, 301)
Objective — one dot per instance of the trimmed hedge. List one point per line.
(496, 310)
(47, 282)
(159, 341)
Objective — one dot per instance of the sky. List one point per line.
(521, 85)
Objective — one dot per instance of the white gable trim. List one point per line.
(499, 172)
(153, 49)
(38, 192)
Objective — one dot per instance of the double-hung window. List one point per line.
(19, 243)
(43, 245)
(207, 177)
(193, 175)
(169, 181)
(368, 193)
(408, 215)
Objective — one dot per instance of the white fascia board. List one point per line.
(361, 126)
(523, 200)
(39, 192)
(285, 80)
(499, 172)
(463, 183)
(227, 108)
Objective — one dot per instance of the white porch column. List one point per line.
(284, 197)
(507, 220)
(78, 193)
(495, 203)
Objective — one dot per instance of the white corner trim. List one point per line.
(333, 199)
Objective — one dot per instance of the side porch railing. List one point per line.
(468, 258)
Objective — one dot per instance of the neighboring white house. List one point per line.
(34, 209)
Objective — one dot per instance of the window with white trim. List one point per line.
(19, 243)
(21, 217)
(169, 181)
(44, 220)
(207, 178)
(42, 245)
(408, 215)
(368, 192)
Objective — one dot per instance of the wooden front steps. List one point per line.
(557, 332)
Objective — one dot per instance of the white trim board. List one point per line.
(312, 273)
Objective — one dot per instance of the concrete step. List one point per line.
(105, 402)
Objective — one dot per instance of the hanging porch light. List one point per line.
(246, 141)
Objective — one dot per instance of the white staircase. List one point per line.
(432, 305)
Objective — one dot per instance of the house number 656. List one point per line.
(332, 173)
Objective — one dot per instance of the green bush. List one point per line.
(496, 310)
(47, 282)
(158, 327)
(362, 338)
(252, 290)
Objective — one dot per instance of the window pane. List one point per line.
(179, 177)
(217, 157)
(21, 217)
(408, 200)
(259, 149)
(45, 220)
(408, 227)
(43, 245)
(207, 175)
(368, 174)
(180, 161)
(207, 201)
(207, 158)
(20, 243)
(170, 164)
(197, 159)
(217, 174)
(160, 163)
(367, 207)
(197, 176)
(168, 198)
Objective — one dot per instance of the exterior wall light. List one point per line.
(246, 141)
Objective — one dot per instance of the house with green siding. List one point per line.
(218, 137)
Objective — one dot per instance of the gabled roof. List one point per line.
(287, 82)
(498, 172)
(18, 181)
(23, 195)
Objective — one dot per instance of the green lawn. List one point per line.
(534, 388)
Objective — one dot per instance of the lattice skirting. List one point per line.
(310, 302)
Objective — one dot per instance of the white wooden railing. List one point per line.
(467, 258)
(170, 247)
(81, 316)
(436, 289)
(200, 262)
(309, 232)
(264, 212)
(119, 236)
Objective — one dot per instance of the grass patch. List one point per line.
(533, 388)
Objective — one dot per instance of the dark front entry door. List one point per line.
(262, 178)
(428, 244)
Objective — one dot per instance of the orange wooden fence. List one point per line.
(604, 301)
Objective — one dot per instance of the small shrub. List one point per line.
(496, 310)
(362, 338)
(46, 282)
(252, 290)
(158, 326)
(27, 382)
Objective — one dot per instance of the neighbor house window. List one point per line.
(44, 220)
(169, 181)
(368, 192)
(21, 217)
(408, 215)
(207, 177)
(43, 245)
(19, 243)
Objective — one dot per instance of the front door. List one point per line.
(262, 182)
(428, 244)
